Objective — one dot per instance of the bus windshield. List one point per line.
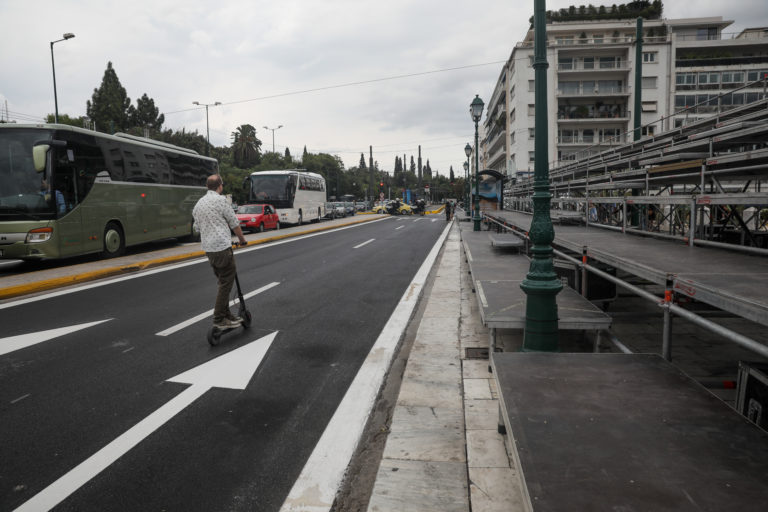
(24, 193)
(278, 190)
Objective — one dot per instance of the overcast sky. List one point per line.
(423, 61)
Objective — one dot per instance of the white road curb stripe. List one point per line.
(316, 487)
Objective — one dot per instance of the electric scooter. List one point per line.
(215, 333)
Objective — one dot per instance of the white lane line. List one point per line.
(21, 398)
(208, 313)
(364, 243)
(316, 487)
(233, 370)
(399, 227)
(174, 266)
(26, 340)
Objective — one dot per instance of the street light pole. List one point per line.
(541, 284)
(467, 187)
(476, 111)
(273, 135)
(66, 36)
(207, 130)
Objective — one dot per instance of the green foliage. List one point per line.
(245, 146)
(184, 139)
(80, 122)
(109, 106)
(146, 114)
(650, 10)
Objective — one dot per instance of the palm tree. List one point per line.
(245, 146)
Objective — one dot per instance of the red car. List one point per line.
(257, 217)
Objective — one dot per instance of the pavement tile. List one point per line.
(411, 486)
(427, 434)
(485, 449)
(481, 414)
(477, 389)
(475, 369)
(495, 490)
(430, 386)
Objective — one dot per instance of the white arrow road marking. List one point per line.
(364, 243)
(25, 340)
(435, 220)
(203, 316)
(232, 370)
(399, 227)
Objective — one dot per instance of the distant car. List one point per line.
(381, 207)
(361, 206)
(257, 217)
(340, 209)
(350, 207)
(330, 211)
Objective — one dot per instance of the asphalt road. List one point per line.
(325, 299)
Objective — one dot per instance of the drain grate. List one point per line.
(476, 353)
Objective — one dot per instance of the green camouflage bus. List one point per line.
(66, 191)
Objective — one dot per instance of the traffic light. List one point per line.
(381, 184)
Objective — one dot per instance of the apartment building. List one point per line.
(591, 85)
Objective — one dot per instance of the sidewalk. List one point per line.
(444, 453)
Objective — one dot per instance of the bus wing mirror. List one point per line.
(245, 182)
(39, 154)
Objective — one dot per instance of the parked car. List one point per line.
(257, 217)
(330, 211)
(361, 206)
(350, 207)
(340, 209)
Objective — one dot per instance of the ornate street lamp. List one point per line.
(467, 187)
(66, 36)
(541, 284)
(207, 131)
(476, 111)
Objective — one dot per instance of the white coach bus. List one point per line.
(298, 196)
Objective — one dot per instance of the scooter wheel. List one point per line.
(214, 336)
(246, 316)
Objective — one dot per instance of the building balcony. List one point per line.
(580, 140)
(595, 67)
(593, 91)
(584, 113)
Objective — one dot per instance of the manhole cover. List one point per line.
(477, 353)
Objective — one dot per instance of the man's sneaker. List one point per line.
(235, 318)
(226, 323)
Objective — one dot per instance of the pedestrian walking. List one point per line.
(447, 210)
(215, 219)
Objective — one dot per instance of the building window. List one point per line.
(512, 92)
(512, 116)
(561, 40)
(649, 82)
(531, 85)
(649, 106)
(754, 75)
(609, 62)
(685, 80)
(512, 138)
(531, 109)
(530, 60)
(564, 63)
(531, 133)
(650, 57)
(706, 34)
(709, 80)
(648, 131)
(598, 38)
(589, 62)
(531, 156)
(733, 77)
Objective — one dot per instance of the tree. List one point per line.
(110, 107)
(413, 165)
(80, 122)
(288, 155)
(304, 154)
(146, 114)
(245, 146)
(362, 162)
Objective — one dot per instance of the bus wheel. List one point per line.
(114, 243)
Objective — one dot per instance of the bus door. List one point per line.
(64, 194)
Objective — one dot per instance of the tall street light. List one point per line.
(467, 187)
(273, 134)
(66, 36)
(541, 284)
(476, 111)
(207, 130)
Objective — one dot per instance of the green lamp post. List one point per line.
(541, 284)
(467, 188)
(476, 111)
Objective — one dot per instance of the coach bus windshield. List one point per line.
(279, 190)
(24, 192)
